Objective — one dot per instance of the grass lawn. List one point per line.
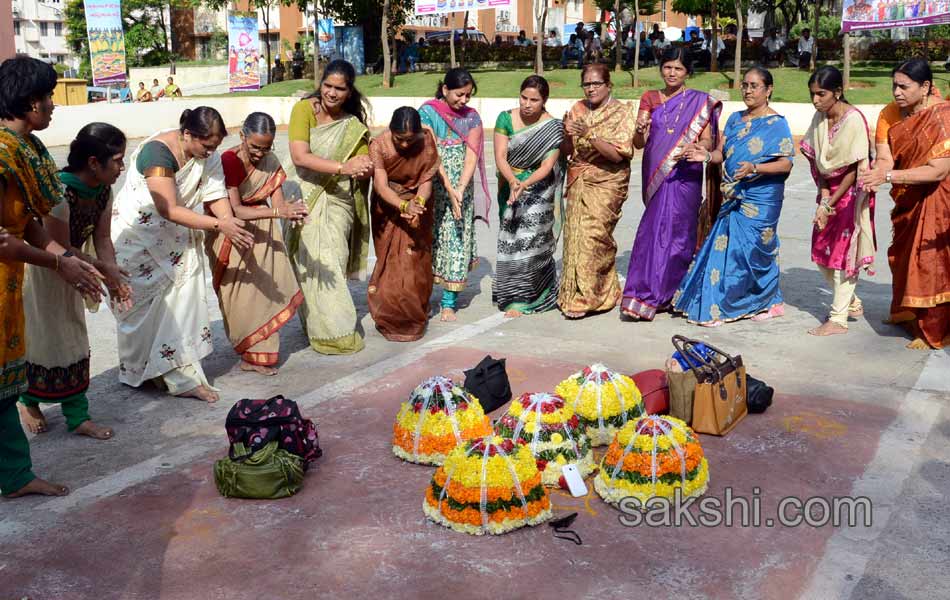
(869, 84)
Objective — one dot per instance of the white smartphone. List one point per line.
(575, 483)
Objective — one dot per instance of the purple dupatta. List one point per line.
(467, 124)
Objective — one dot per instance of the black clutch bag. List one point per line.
(488, 381)
(759, 394)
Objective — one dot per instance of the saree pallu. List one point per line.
(672, 194)
(919, 255)
(32, 189)
(453, 245)
(399, 290)
(847, 242)
(167, 331)
(735, 274)
(596, 191)
(257, 291)
(525, 271)
(333, 246)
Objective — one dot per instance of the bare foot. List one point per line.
(918, 344)
(448, 315)
(513, 314)
(201, 393)
(573, 314)
(32, 417)
(858, 312)
(99, 432)
(630, 315)
(712, 324)
(41, 487)
(828, 328)
(269, 371)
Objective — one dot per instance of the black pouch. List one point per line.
(488, 381)
(759, 394)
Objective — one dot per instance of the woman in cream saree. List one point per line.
(329, 147)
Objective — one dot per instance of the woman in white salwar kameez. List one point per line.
(157, 229)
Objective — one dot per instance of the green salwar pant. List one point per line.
(75, 408)
(15, 464)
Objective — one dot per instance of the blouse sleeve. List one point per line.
(213, 187)
(156, 160)
(503, 124)
(234, 172)
(376, 153)
(888, 116)
(302, 120)
(649, 101)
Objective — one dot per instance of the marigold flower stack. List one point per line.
(650, 458)
(603, 400)
(548, 426)
(438, 417)
(488, 485)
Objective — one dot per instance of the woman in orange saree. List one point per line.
(405, 159)
(257, 291)
(913, 155)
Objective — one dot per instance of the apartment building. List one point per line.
(39, 30)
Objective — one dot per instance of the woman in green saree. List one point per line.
(329, 151)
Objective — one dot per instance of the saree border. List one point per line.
(79, 370)
(272, 326)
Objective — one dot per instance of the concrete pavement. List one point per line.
(854, 415)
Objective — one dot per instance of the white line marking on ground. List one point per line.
(145, 470)
(849, 550)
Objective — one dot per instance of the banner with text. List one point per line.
(326, 38)
(433, 7)
(862, 15)
(106, 41)
(243, 53)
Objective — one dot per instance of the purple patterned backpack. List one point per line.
(254, 423)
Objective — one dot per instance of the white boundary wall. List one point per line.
(142, 120)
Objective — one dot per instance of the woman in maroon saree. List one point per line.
(667, 120)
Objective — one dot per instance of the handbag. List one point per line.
(682, 387)
(256, 422)
(267, 473)
(719, 398)
(655, 391)
(759, 394)
(488, 382)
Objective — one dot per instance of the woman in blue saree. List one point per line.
(735, 274)
(667, 121)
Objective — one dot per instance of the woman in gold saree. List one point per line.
(913, 155)
(256, 288)
(329, 150)
(600, 144)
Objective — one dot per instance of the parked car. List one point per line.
(443, 36)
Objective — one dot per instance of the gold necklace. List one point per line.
(679, 111)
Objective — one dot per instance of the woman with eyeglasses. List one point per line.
(406, 162)
(175, 181)
(599, 143)
(667, 121)
(735, 274)
(257, 291)
(838, 144)
(913, 155)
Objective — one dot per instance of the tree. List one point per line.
(369, 15)
(740, 26)
(541, 17)
(639, 8)
(452, 62)
(387, 64)
(707, 8)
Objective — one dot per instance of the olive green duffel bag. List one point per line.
(268, 473)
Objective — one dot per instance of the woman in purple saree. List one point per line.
(667, 120)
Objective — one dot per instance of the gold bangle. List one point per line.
(339, 169)
(421, 201)
(404, 206)
(276, 212)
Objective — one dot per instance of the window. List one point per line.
(44, 29)
(16, 28)
(58, 29)
(663, 10)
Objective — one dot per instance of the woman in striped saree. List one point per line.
(527, 145)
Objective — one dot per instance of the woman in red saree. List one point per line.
(913, 155)
(257, 291)
(405, 159)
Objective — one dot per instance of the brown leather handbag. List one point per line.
(719, 399)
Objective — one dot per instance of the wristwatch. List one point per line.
(888, 176)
